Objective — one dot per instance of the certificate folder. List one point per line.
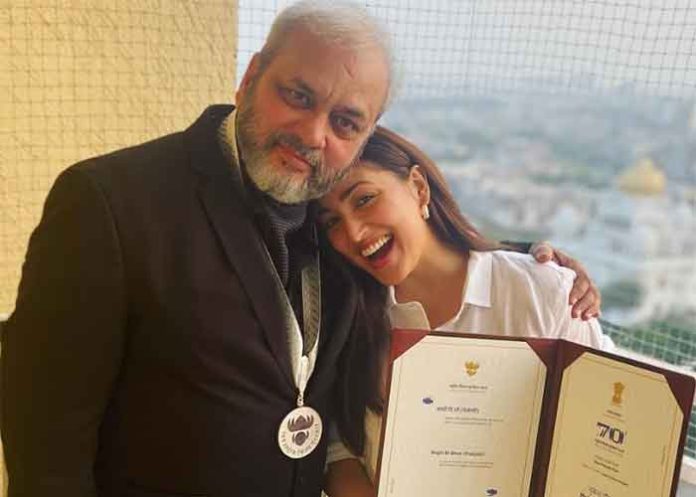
(474, 415)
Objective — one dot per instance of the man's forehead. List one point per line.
(356, 77)
(352, 103)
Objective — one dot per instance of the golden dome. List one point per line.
(643, 178)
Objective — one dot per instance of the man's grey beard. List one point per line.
(285, 188)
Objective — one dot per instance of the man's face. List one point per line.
(304, 118)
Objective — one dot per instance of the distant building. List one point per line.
(637, 234)
(644, 179)
(643, 234)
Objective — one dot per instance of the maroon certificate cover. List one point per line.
(471, 414)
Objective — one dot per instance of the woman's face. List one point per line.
(373, 218)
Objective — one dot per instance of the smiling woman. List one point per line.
(379, 216)
(419, 263)
(372, 218)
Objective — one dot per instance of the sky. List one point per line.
(556, 46)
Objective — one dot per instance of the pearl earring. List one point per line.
(425, 212)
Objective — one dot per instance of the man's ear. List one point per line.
(419, 184)
(249, 75)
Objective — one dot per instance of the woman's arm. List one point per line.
(347, 478)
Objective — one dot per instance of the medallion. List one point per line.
(300, 432)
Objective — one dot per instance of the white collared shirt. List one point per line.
(506, 293)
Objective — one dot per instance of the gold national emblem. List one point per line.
(472, 367)
(618, 392)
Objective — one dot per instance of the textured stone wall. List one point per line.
(79, 78)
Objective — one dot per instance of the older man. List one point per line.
(172, 334)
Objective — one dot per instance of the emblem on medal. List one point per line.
(300, 432)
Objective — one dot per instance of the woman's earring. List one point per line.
(425, 212)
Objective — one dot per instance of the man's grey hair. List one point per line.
(341, 23)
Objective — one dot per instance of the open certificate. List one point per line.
(624, 447)
(469, 415)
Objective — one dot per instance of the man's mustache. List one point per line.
(312, 157)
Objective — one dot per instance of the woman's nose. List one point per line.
(355, 228)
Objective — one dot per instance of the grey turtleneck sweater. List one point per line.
(284, 228)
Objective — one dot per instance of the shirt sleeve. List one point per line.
(587, 332)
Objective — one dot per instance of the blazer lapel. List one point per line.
(222, 196)
(334, 331)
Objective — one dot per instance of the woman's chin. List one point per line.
(387, 278)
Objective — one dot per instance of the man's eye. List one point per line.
(345, 126)
(297, 98)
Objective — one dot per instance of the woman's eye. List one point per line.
(328, 223)
(364, 200)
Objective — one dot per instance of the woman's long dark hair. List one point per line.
(362, 364)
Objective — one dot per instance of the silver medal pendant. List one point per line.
(300, 432)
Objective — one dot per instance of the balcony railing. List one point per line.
(667, 347)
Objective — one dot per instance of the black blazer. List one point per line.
(147, 352)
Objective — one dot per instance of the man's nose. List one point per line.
(313, 130)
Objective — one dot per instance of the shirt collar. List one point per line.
(477, 291)
(479, 277)
(406, 314)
